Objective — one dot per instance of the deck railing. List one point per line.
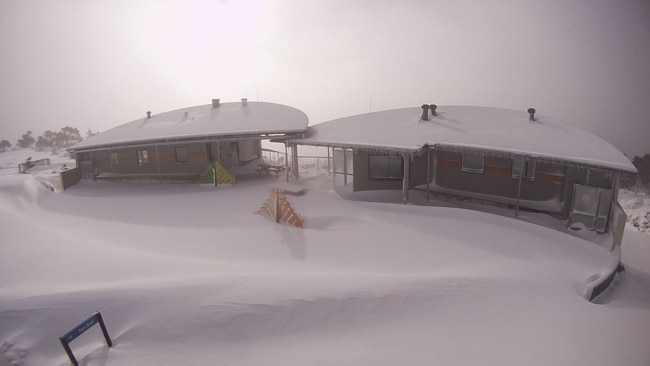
(305, 162)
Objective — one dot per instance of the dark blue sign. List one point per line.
(76, 332)
(79, 330)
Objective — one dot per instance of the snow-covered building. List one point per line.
(182, 144)
(509, 157)
(517, 158)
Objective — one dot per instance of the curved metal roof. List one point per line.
(204, 122)
(485, 128)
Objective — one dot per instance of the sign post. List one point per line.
(79, 330)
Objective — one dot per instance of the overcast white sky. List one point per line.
(101, 63)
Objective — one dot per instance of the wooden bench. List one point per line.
(270, 168)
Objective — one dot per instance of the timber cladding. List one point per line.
(182, 159)
(495, 169)
(496, 178)
(153, 156)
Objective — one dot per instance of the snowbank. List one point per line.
(185, 275)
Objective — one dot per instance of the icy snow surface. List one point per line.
(188, 275)
(469, 126)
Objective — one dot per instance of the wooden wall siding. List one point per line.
(167, 159)
(418, 171)
(130, 158)
(496, 179)
(162, 160)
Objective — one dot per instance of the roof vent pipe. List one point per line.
(215, 103)
(244, 101)
(148, 114)
(531, 113)
(433, 108)
(425, 112)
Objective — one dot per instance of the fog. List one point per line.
(98, 64)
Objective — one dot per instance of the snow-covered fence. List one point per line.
(618, 218)
(22, 167)
(279, 209)
(597, 283)
(70, 177)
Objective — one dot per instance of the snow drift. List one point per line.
(185, 275)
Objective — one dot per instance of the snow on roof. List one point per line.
(204, 121)
(484, 128)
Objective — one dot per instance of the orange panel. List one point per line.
(497, 169)
(551, 177)
(449, 163)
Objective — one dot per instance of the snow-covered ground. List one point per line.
(188, 275)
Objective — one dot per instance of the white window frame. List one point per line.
(143, 157)
(114, 158)
(470, 160)
(527, 166)
(386, 171)
(187, 155)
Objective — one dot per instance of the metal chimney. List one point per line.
(215, 103)
(531, 113)
(425, 112)
(244, 101)
(433, 108)
(148, 114)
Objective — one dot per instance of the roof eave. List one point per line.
(538, 157)
(460, 148)
(286, 134)
(365, 147)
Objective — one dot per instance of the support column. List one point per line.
(110, 161)
(406, 178)
(616, 185)
(428, 172)
(294, 161)
(518, 194)
(158, 164)
(286, 161)
(329, 160)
